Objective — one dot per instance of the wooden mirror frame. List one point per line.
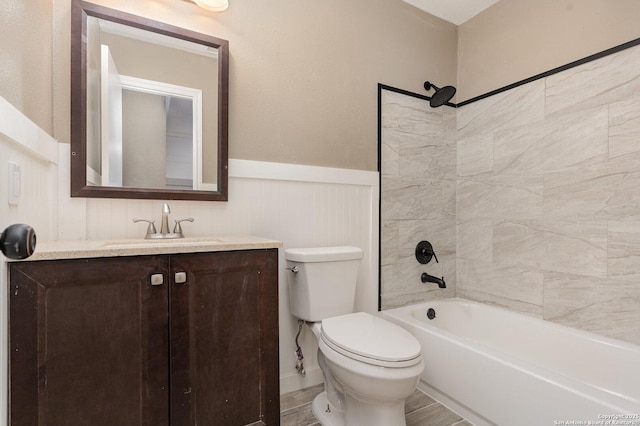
(79, 188)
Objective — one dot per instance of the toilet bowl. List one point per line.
(370, 366)
(374, 367)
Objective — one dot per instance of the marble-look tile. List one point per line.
(475, 239)
(624, 181)
(448, 197)
(405, 115)
(431, 159)
(398, 300)
(418, 196)
(500, 197)
(450, 275)
(387, 276)
(624, 128)
(475, 155)
(519, 243)
(513, 287)
(576, 248)
(404, 276)
(405, 137)
(401, 283)
(449, 123)
(554, 144)
(409, 198)
(428, 151)
(624, 250)
(390, 152)
(607, 307)
(441, 232)
(500, 301)
(516, 107)
(405, 273)
(390, 241)
(578, 194)
(609, 79)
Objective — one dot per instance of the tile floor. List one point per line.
(420, 409)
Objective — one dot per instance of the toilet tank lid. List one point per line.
(323, 254)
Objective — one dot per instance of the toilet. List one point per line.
(370, 366)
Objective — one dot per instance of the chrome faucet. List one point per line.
(164, 226)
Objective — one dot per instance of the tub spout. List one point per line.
(426, 278)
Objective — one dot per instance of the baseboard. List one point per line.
(295, 382)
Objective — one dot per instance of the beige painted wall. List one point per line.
(25, 58)
(303, 74)
(516, 39)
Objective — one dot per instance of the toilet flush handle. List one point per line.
(293, 269)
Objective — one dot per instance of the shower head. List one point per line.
(441, 96)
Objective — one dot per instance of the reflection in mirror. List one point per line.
(153, 100)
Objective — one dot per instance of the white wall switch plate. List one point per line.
(15, 183)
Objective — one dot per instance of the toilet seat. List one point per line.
(367, 338)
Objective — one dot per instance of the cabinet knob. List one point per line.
(157, 279)
(181, 277)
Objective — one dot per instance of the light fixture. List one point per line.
(213, 5)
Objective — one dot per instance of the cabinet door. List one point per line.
(88, 342)
(224, 339)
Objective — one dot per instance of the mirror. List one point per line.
(149, 108)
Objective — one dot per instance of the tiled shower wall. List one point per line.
(546, 198)
(418, 158)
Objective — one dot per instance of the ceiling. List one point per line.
(454, 11)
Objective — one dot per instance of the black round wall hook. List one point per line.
(18, 241)
(424, 252)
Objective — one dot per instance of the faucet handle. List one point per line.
(177, 229)
(151, 229)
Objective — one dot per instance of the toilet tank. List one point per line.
(324, 285)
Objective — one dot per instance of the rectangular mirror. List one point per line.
(149, 108)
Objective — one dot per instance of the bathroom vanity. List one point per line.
(145, 333)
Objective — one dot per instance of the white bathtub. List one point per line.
(493, 366)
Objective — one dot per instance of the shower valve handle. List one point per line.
(424, 252)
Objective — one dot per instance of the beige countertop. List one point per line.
(55, 250)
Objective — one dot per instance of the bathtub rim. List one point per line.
(609, 341)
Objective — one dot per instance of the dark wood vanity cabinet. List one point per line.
(185, 339)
